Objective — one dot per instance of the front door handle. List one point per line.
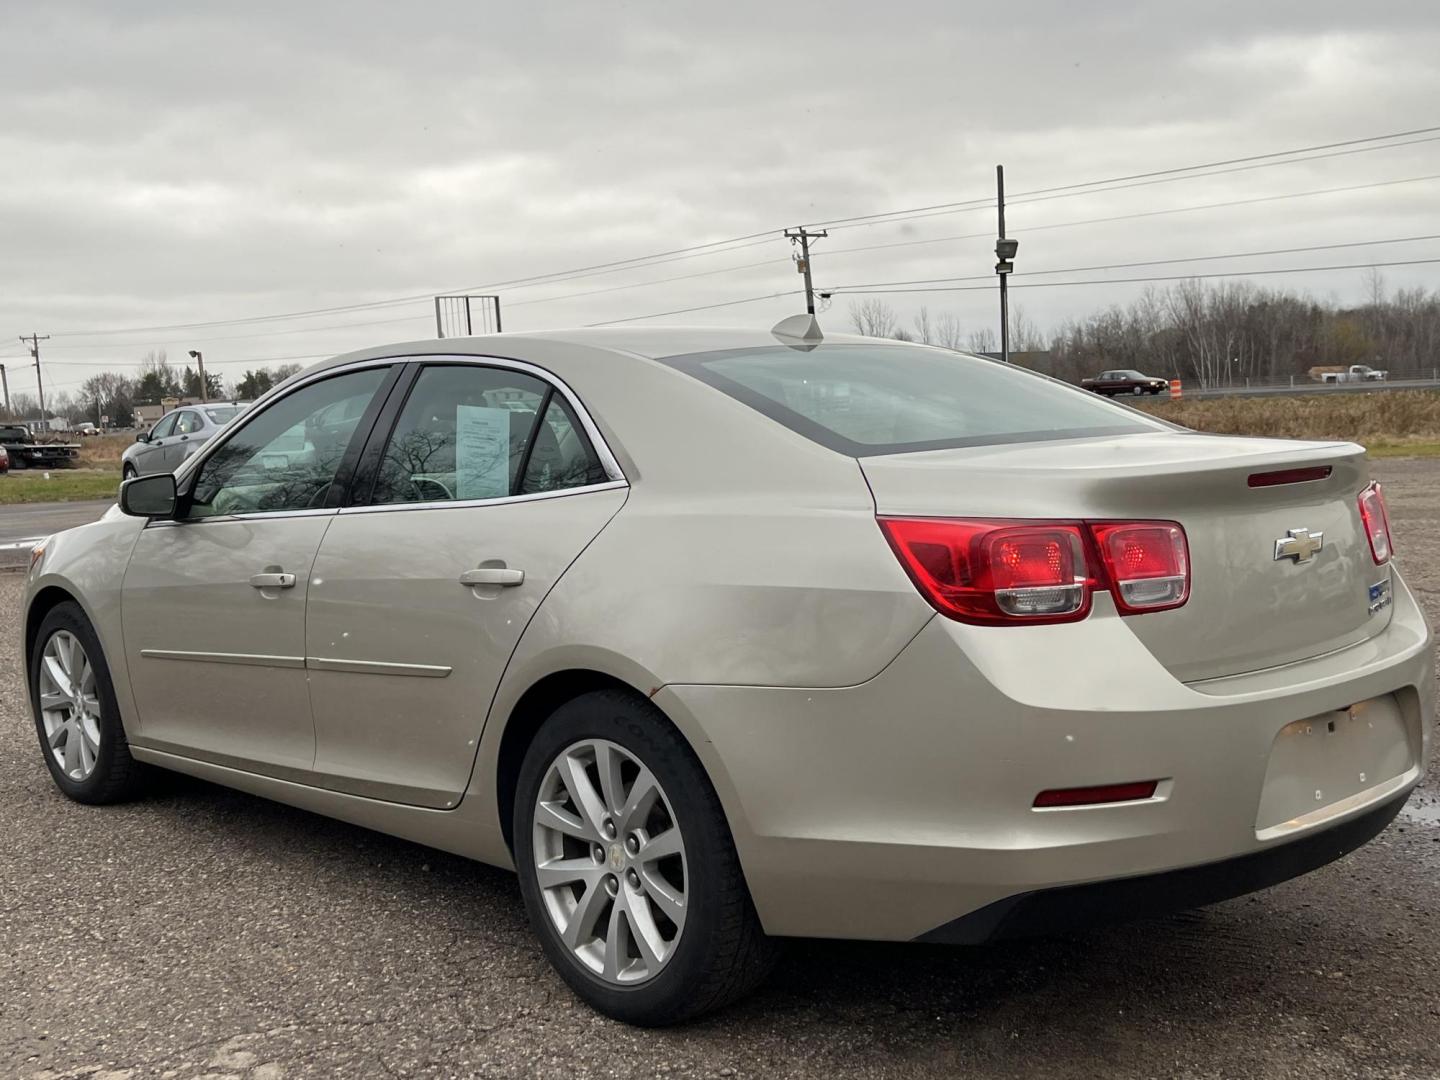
(273, 581)
(492, 575)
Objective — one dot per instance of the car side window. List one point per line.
(561, 455)
(188, 423)
(462, 435)
(164, 426)
(287, 456)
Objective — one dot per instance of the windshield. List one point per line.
(890, 399)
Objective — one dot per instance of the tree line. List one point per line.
(1207, 333)
(116, 396)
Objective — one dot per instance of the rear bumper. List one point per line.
(1073, 907)
(892, 808)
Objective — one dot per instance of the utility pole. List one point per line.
(34, 344)
(1004, 254)
(199, 358)
(803, 260)
(5, 379)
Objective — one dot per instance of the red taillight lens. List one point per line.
(1376, 520)
(995, 572)
(1148, 564)
(1011, 572)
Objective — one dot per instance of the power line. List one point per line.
(1023, 195)
(1132, 280)
(701, 307)
(1153, 262)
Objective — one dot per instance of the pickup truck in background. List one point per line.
(25, 453)
(1111, 383)
(1353, 373)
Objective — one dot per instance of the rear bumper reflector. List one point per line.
(1093, 796)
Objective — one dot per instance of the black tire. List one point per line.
(1138, 390)
(722, 953)
(127, 472)
(117, 777)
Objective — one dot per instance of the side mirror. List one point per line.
(142, 436)
(149, 496)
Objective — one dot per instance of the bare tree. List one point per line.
(873, 318)
(948, 332)
(924, 332)
(982, 340)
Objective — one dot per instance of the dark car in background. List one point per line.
(1125, 381)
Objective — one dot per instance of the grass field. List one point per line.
(1395, 423)
(64, 485)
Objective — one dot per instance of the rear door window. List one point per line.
(882, 399)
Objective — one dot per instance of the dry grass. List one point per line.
(1391, 423)
(103, 451)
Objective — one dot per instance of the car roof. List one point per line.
(649, 342)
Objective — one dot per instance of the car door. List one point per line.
(150, 458)
(188, 424)
(484, 491)
(213, 602)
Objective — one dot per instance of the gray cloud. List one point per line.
(177, 163)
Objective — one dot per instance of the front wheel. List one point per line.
(627, 867)
(76, 715)
(127, 472)
(1137, 390)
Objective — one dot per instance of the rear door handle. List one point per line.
(273, 581)
(492, 575)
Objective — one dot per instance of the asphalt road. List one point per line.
(1309, 387)
(24, 521)
(207, 933)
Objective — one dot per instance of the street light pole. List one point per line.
(1004, 255)
(199, 358)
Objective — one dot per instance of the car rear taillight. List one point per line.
(1148, 564)
(996, 573)
(1376, 520)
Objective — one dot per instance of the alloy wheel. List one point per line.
(610, 862)
(69, 705)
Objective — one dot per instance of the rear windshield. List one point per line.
(222, 414)
(891, 399)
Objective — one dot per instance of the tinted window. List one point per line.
(879, 399)
(561, 456)
(164, 426)
(287, 456)
(461, 435)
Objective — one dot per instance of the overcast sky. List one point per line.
(170, 163)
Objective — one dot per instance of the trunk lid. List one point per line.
(1247, 610)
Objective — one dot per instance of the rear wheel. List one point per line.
(76, 716)
(627, 867)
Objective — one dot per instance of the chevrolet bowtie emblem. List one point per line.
(1299, 544)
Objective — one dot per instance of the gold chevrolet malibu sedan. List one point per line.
(718, 637)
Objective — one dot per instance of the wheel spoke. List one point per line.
(565, 871)
(644, 932)
(581, 927)
(615, 951)
(59, 676)
(641, 801)
(664, 896)
(587, 799)
(72, 747)
(666, 844)
(91, 738)
(57, 733)
(552, 817)
(607, 764)
(53, 699)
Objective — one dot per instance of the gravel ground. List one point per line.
(207, 933)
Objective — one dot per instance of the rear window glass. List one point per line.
(880, 399)
(222, 414)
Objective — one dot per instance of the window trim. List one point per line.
(363, 482)
(187, 476)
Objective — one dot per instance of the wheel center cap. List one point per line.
(617, 857)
